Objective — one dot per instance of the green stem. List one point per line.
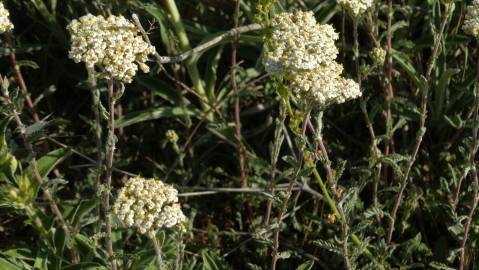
(191, 66)
(333, 207)
(159, 257)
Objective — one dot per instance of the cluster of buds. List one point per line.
(148, 205)
(113, 43)
(5, 23)
(378, 55)
(304, 52)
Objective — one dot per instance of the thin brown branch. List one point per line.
(234, 86)
(284, 206)
(21, 81)
(274, 159)
(475, 184)
(422, 124)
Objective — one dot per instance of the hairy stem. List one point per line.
(96, 103)
(110, 153)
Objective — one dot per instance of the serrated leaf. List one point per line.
(332, 247)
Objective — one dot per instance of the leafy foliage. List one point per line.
(230, 226)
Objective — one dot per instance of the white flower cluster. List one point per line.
(304, 52)
(325, 85)
(356, 8)
(5, 23)
(299, 43)
(148, 205)
(471, 22)
(113, 43)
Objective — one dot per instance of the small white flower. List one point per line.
(5, 23)
(148, 205)
(113, 43)
(299, 43)
(356, 8)
(304, 52)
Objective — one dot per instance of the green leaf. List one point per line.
(152, 114)
(211, 72)
(406, 64)
(440, 93)
(208, 261)
(7, 265)
(160, 88)
(59, 241)
(44, 166)
(28, 63)
(8, 163)
(83, 208)
(306, 266)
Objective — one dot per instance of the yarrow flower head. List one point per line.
(471, 22)
(299, 43)
(148, 205)
(113, 43)
(356, 8)
(5, 23)
(303, 52)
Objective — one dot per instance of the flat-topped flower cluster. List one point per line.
(148, 205)
(356, 8)
(114, 43)
(471, 22)
(5, 23)
(304, 52)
